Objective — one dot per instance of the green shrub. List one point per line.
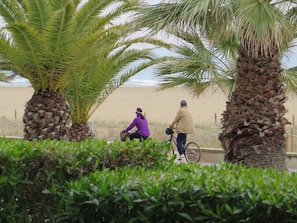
(182, 193)
(96, 181)
(32, 172)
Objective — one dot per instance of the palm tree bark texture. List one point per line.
(80, 132)
(253, 124)
(46, 116)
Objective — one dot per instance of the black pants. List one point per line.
(135, 135)
(180, 142)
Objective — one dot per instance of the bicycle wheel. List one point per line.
(192, 152)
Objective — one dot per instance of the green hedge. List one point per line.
(32, 172)
(95, 181)
(182, 193)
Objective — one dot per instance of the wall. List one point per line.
(214, 155)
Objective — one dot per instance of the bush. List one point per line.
(96, 181)
(32, 172)
(182, 193)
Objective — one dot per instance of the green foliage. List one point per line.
(45, 41)
(97, 181)
(88, 88)
(115, 59)
(209, 34)
(199, 64)
(32, 173)
(183, 193)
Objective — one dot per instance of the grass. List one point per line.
(10, 128)
(205, 135)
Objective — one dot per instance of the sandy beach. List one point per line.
(118, 110)
(159, 106)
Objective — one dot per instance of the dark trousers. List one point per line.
(180, 142)
(135, 135)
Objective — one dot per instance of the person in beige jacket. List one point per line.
(183, 124)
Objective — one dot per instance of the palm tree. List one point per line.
(199, 65)
(45, 41)
(253, 122)
(120, 55)
(92, 86)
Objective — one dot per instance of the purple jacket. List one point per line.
(141, 125)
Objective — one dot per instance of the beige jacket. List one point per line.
(183, 121)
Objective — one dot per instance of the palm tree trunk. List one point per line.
(253, 125)
(80, 132)
(46, 116)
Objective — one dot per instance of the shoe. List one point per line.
(182, 156)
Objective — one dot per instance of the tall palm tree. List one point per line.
(118, 62)
(121, 54)
(253, 122)
(44, 41)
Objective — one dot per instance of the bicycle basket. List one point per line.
(124, 136)
(169, 131)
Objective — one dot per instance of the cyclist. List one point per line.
(183, 123)
(141, 124)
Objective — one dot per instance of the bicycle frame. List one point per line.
(191, 150)
(172, 139)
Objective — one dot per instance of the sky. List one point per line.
(290, 60)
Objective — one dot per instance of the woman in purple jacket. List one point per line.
(141, 124)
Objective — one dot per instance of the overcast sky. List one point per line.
(290, 60)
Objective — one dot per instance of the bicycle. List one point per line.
(192, 150)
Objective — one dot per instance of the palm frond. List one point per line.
(89, 89)
(12, 11)
(225, 82)
(209, 33)
(289, 77)
(197, 62)
(257, 20)
(27, 58)
(4, 77)
(39, 14)
(88, 15)
(49, 40)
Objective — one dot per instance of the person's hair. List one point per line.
(139, 111)
(183, 103)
